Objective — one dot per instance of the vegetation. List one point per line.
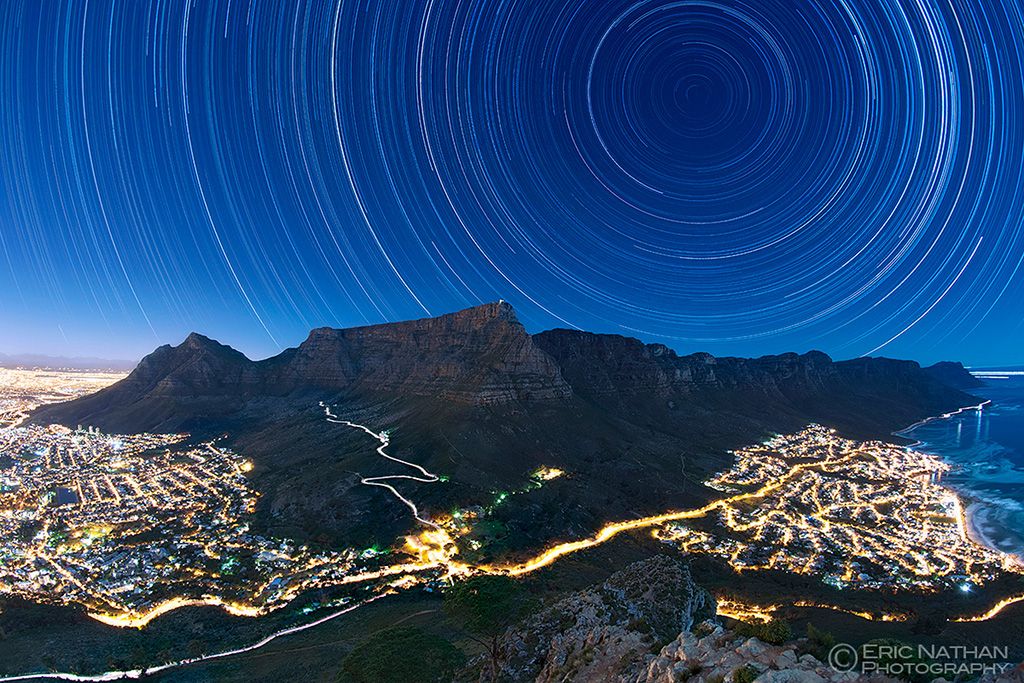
(487, 606)
(402, 655)
(819, 643)
(744, 674)
(775, 632)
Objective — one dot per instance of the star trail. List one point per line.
(736, 177)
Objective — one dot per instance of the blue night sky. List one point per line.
(740, 177)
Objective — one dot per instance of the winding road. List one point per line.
(385, 440)
(543, 559)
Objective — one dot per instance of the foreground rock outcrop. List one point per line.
(650, 623)
(605, 632)
(713, 653)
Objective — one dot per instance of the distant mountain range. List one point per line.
(35, 360)
(473, 395)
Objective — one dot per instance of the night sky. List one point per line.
(736, 177)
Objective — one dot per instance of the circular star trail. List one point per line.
(733, 176)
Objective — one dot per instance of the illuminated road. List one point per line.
(611, 530)
(139, 673)
(944, 416)
(800, 463)
(385, 440)
(996, 609)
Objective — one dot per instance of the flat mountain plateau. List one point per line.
(474, 397)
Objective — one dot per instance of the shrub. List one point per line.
(775, 632)
(819, 643)
(744, 674)
(486, 606)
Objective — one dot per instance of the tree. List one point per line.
(487, 606)
(402, 655)
(819, 643)
(775, 632)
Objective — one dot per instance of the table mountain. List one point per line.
(472, 395)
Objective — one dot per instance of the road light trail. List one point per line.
(139, 673)
(385, 440)
(996, 609)
(611, 530)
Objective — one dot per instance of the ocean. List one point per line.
(986, 449)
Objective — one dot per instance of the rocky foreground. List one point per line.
(607, 632)
(720, 655)
(650, 623)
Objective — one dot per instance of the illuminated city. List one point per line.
(131, 527)
(856, 514)
(134, 526)
(21, 389)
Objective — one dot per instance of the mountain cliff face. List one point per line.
(600, 365)
(483, 356)
(480, 355)
(868, 397)
(474, 396)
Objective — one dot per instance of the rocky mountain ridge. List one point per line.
(484, 356)
(480, 355)
(473, 396)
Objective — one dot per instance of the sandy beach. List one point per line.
(984, 445)
(976, 517)
(982, 524)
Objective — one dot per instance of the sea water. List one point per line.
(986, 449)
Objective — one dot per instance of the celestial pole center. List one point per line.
(732, 176)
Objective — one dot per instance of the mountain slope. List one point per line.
(471, 395)
(954, 374)
(477, 356)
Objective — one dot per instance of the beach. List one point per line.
(984, 447)
(981, 522)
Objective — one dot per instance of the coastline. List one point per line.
(976, 518)
(904, 433)
(981, 516)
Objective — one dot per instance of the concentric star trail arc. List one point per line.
(724, 175)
